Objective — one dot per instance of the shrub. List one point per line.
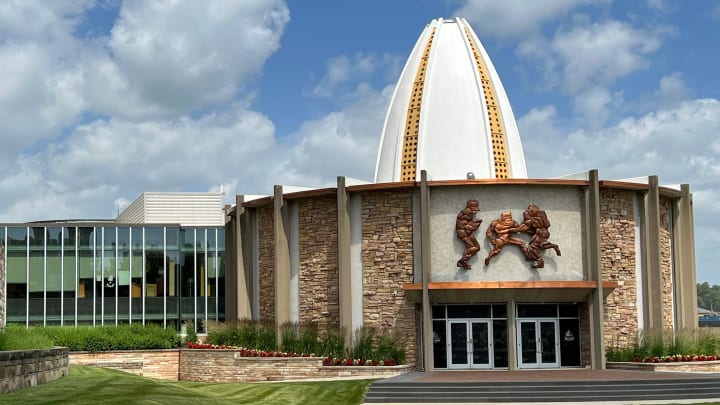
(333, 345)
(362, 347)
(691, 342)
(17, 337)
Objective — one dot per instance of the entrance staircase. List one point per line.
(404, 390)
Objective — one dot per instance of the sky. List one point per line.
(102, 100)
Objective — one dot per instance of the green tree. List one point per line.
(708, 296)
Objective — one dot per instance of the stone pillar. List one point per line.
(597, 298)
(684, 262)
(344, 265)
(282, 261)
(425, 260)
(652, 270)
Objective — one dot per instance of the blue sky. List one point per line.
(102, 100)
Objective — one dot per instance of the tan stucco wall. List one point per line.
(266, 263)
(387, 259)
(564, 207)
(318, 261)
(617, 246)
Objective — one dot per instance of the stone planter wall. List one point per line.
(228, 366)
(690, 366)
(161, 364)
(27, 368)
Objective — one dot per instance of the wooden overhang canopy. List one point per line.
(502, 291)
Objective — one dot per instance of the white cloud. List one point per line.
(678, 144)
(341, 143)
(515, 18)
(716, 12)
(345, 72)
(592, 53)
(170, 67)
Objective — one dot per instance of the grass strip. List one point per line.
(91, 385)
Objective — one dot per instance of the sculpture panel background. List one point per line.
(465, 227)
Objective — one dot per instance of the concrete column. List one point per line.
(512, 336)
(243, 309)
(651, 253)
(684, 262)
(427, 329)
(344, 264)
(231, 270)
(597, 298)
(282, 260)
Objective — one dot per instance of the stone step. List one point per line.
(571, 391)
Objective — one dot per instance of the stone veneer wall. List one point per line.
(161, 364)
(318, 261)
(617, 245)
(666, 263)
(27, 368)
(266, 262)
(387, 260)
(2, 287)
(585, 346)
(228, 366)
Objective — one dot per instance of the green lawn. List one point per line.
(90, 385)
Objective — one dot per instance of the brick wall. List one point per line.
(617, 231)
(266, 263)
(27, 368)
(318, 261)
(387, 256)
(666, 263)
(161, 364)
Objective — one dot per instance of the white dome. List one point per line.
(449, 114)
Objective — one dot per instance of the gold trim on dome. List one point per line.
(408, 165)
(497, 128)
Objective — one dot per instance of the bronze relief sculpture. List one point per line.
(465, 227)
(501, 233)
(536, 223)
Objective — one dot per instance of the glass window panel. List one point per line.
(499, 310)
(438, 311)
(468, 311)
(16, 274)
(537, 310)
(500, 343)
(187, 270)
(439, 342)
(136, 273)
(568, 310)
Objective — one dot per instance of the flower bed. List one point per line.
(327, 361)
(675, 358)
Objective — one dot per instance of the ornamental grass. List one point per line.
(701, 344)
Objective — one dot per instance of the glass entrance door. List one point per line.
(538, 343)
(469, 344)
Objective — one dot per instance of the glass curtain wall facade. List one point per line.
(61, 274)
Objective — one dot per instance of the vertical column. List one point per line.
(597, 301)
(684, 262)
(282, 260)
(344, 266)
(652, 263)
(427, 330)
(242, 304)
(512, 336)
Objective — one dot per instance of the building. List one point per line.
(161, 261)
(453, 247)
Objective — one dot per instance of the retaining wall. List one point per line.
(27, 368)
(161, 364)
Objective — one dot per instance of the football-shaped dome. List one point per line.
(449, 114)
